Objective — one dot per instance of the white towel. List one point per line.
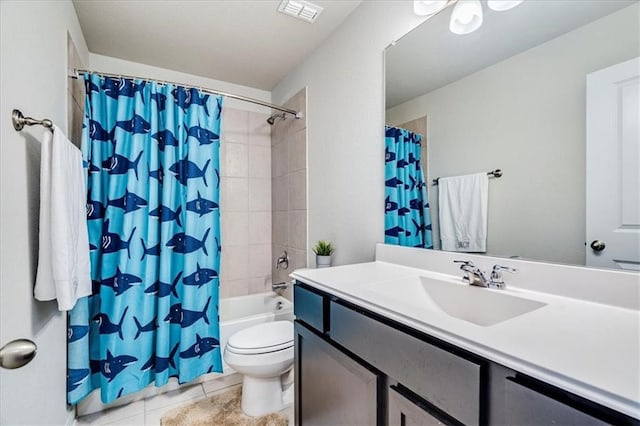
(63, 257)
(463, 212)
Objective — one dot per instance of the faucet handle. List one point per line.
(498, 268)
(496, 276)
(465, 264)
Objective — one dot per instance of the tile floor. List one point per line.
(150, 411)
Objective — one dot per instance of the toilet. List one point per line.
(263, 354)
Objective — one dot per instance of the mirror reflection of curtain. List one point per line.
(407, 220)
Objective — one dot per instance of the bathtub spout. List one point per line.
(279, 286)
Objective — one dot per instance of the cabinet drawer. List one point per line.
(525, 406)
(309, 307)
(447, 381)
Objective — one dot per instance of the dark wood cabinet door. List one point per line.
(331, 388)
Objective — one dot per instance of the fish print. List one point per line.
(160, 100)
(160, 364)
(401, 163)
(97, 133)
(389, 155)
(108, 327)
(393, 182)
(415, 204)
(201, 277)
(389, 205)
(201, 205)
(130, 202)
(121, 282)
(184, 98)
(115, 87)
(90, 87)
(95, 209)
(185, 170)
(95, 286)
(165, 138)
(112, 365)
(136, 125)
(393, 232)
(76, 377)
(150, 251)
(151, 326)
(204, 136)
(185, 317)
(183, 243)
(112, 243)
(92, 168)
(161, 289)
(201, 347)
(219, 102)
(217, 178)
(218, 246)
(76, 332)
(165, 214)
(403, 211)
(120, 165)
(157, 174)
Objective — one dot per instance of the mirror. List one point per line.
(512, 96)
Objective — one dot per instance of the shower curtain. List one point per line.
(152, 167)
(406, 214)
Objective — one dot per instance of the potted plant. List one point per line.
(323, 251)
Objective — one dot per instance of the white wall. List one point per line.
(33, 67)
(345, 91)
(112, 65)
(526, 115)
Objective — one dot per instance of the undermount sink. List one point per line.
(477, 305)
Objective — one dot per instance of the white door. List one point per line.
(613, 167)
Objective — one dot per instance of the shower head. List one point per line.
(271, 120)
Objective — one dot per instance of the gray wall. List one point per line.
(526, 115)
(34, 79)
(345, 91)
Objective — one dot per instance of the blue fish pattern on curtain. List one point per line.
(407, 219)
(151, 154)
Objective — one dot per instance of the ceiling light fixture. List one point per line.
(428, 7)
(466, 17)
(467, 14)
(502, 5)
(300, 9)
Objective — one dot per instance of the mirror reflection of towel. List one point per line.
(63, 256)
(463, 212)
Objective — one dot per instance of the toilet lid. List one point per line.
(262, 338)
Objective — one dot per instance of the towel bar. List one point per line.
(19, 121)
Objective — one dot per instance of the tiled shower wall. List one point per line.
(245, 203)
(289, 189)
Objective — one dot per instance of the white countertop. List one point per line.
(588, 348)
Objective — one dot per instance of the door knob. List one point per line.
(597, 245)
(17, 353)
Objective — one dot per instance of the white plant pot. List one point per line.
(323, 261)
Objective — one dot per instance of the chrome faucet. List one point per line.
(475, 276)
(496, 275)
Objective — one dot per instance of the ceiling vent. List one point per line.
(300, 9)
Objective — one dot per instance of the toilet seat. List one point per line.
(262, 338)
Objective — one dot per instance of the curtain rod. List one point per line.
(77, 72)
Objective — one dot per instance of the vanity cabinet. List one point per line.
(404, 411)
(356, 367)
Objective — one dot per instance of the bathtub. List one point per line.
(236, 313)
